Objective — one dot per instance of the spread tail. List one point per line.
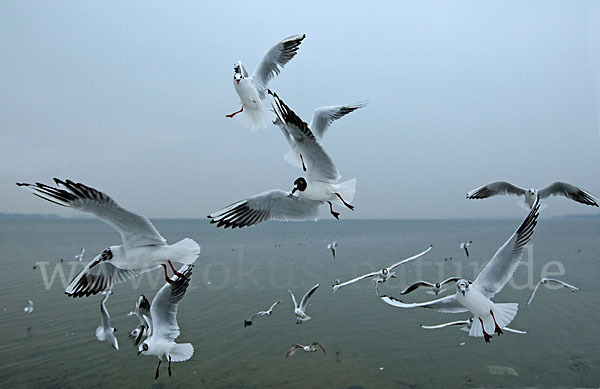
(186, 251)
(346, 189)
(181, 352)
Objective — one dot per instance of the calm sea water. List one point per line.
(369, 344)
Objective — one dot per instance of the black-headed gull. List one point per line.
(253, 89)
(142, 311)
(300, 310)
(311, 348)
(382, 275)
(435, 287)
(143, 248)
(29, 307)
(466, 326)
(105, 332)
(555, 189)
(545, 281)
(321, 120)
(163, 326)
(332, 246)
(308, 194)
(476, 296)
(268, 312)
(79, 256)
(465, 246)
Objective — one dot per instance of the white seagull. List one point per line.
(268, 312)
(332, 246)
(163, 327)
(105, 332)
(555, 189)
(79, 256)
(545, 281)
(142, 311)
(29, 307)
(143, 248)
(300, 310)
(476, 297)
(253, 89)
(465, 245)
(302, 203)
(467, 324)
(311, 348)
(382, 275)
(435, 288)
(321, 120)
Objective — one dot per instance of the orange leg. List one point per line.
(235, 113)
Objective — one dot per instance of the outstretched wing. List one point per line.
(307, 297)
(495, 188)
(293, 299)
(339, 285)
(324, 116)
(319, 165)
(104, 312)
(415, 286)
(135, 230)
(100, 278)
(534, 292)
(274, 60)
(503, 264)
(570, 191)
(562, 283)
(270, 205)
(273, 306)
(451, 279)
(448, 304)
(395, 265)
(292, 350)
(317, 344)
(452, 323)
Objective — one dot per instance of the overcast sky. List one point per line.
(130, 97)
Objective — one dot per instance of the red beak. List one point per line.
(139, 352)
(463, 292)
(294, 190)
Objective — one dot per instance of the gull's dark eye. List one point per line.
(145, 347)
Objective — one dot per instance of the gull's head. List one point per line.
(437, 285)
(462, 286)
(143, 349)
(238, 72)
(300, 184)
(385, 272)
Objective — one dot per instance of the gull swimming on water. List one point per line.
(382, 275)
(476, 296)
(331, 246)
(253, 89)
(268, 312)
(435, 288)
(466, 326)
(313, 347)
(302, 203)
(105, 332)
(142, 311)
(143, 248)
(545, 281)
(79, 256)
(465, 245)
(163, 326)
(300, 310)
(555, 189)
(29, 307)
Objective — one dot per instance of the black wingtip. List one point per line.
(22, 184)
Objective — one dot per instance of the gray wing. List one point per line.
(274, 304)
(142, 309)
(292, 350)
(410, 258)
(451, 279)
(164, 306)
(448, 304)
(534, 292)
(324, 116)
(135, 230)
(495, 188)
(561, 283)
(503, 264)
(270, 205)
(285, 132)
(274, 60)
(100, 278)
(307, 297)
(415, 286)
(368, 275)
(104, 312)
(514, 331)
(317, 344)
(319, 165)
(452, 323)
(293, 299)
(570, 191)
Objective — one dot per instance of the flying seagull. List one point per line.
(105, 332)
(79, 256)
(29, 307)
(253, 89)
(332, 246)
(436, 287)
(313, 347)
(300, 310)
(143, 248)
(465, 245)
(268, 312)
(545, 281)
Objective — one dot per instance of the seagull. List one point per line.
(313, 347)
(476, 296)
(322, 118)
(105, 331)
(466, 326)
(29, 307)
(382, 275)
(436, 288)
(253, 89)
(554, 189)
(545, 281)
(302, 203)
(300, 310)
(142, 308)
(79, 256)
(269, 312)
(331, 246)
(143, 248)
(163, 327)
(464, 247)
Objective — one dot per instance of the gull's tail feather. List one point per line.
(100, 334)
(347, 189)
(255, 119)
(504, 314)
(181, 352)
(186, 251)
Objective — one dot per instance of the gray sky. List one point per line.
(130, 98)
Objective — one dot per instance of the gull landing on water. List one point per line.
(555, 189)
(476, 296)
(382, 275)
(545, 281)
(465, 245)
(253, 89)
(466, 326)
(143, 248)
(105, 332)
(268, 312)
(300, 310)
(311, 348)
(332, 246)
